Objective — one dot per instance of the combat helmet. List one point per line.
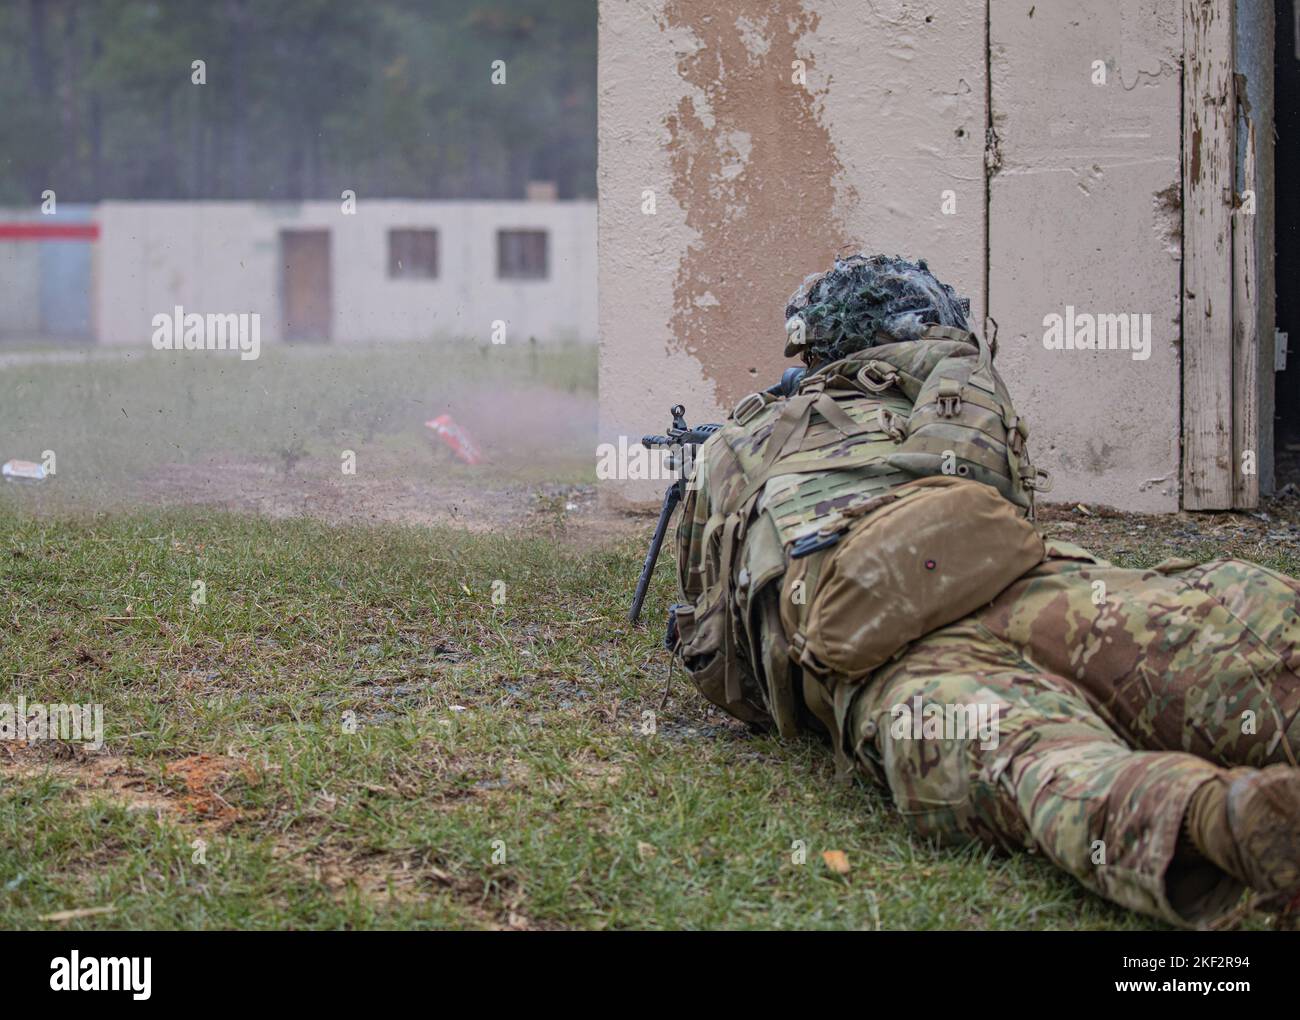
(865, 300)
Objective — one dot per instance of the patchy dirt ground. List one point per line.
(188, 793)
(533, 443)
(188, 789)
(89, 772)
(577, 510)
(461, 502)
(1109, 532)
(538, 459)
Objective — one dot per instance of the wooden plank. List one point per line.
(1245, 332)
(1266, 240)
(1209, 108)
(1253, 287)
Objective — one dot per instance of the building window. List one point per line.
(521, 254)
(412, 254)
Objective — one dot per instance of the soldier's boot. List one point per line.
(1247, 821)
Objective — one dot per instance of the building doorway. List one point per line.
(306, 298)
(1286, 85)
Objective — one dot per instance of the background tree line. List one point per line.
(303, 99)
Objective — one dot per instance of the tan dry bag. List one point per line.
(938, 551)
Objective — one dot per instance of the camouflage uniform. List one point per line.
(1118, 693)
(1111, 716)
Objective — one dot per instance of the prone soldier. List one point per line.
(856, 555)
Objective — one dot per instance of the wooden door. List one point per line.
(1228, 343)
(305, 287)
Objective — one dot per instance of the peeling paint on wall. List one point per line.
(756, 171)
(1167, 218)
(761, 182)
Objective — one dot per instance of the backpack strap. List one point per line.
(730, 543)
(937, 332)
(791, 426)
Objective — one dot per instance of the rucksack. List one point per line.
(809, 505)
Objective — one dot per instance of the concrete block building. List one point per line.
(314, 271)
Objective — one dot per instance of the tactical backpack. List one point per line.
(884, 499)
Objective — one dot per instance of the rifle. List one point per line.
(679, 439)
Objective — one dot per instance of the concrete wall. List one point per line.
(759, 180)
(224, 257)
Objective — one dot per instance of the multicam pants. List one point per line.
(1118, 693)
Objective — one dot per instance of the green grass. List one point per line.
(307, 825)
(113, 423)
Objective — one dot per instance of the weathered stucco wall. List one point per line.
(758, 179)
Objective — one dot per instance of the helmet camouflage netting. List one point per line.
(864, 300)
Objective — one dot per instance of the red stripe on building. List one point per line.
(49, 231)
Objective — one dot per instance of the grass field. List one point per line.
(122, 424)
(498, 771)
(349, 730)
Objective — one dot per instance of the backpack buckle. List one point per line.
(1039, 481)
(949, 399)
(890, 424)
(877, 376)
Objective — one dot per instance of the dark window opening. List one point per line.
(521, 255)
(1286, 104)
(412, 254)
